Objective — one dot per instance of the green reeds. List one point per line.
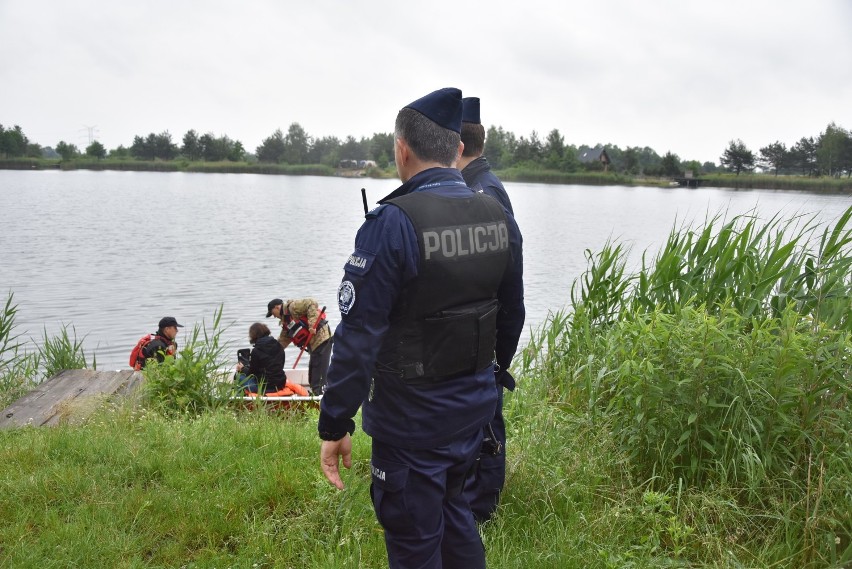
(17, 368)
(757, 269)
(724, 363)
(21, 369)
(62, 351)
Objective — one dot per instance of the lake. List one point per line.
(109, 253)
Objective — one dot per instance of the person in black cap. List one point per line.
(159, 344)
(484, 486)
(304, 324)
(435, 274)
(473, 165)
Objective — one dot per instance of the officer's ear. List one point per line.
(402, 155)
(458, 154)
(403, 151)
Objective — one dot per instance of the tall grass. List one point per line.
(21, 369)
(17, 368)
(726, 363)
(63, 351)
(757, 269)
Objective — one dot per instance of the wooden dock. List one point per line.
(69, 395)
(689, 182)
(73, 395)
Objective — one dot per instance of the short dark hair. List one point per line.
(473, 136)
(429, 141)
(257, 331)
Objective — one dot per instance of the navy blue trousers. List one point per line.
(418, 499)
(483, 488)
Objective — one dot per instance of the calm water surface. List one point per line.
(109, 253)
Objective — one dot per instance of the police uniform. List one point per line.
(480, 178)
(484, 486)
(434, 269)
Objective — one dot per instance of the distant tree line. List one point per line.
(504, 150)
(829, 154)
(15, 144)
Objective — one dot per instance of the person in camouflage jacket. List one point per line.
(302, 324)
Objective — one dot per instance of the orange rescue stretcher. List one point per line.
(294, 394)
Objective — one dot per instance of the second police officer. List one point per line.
(483, 488)
(432, 290)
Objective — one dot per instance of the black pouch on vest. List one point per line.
(460, 339)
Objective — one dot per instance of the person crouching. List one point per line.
(265, 370)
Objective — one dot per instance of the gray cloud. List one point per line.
(684, 76)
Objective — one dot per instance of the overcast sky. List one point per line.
(684, 76)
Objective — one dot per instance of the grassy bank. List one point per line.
(692, 414)
(743, 181)
(568, 178)
(169, 166)
(228, 489)
(769, 182)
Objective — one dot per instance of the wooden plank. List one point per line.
(78, 392)
(94, 390)
(44, 404)
(131, 384)
(108, 382)
(36, 407)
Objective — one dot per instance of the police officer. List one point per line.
(473, 165)
(436, 272)
(484, 486)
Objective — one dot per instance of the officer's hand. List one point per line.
(330, 453)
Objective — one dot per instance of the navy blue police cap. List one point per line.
(470, 110)
(443, 107)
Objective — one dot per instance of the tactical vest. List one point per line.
(298, 329)
(444, 323)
